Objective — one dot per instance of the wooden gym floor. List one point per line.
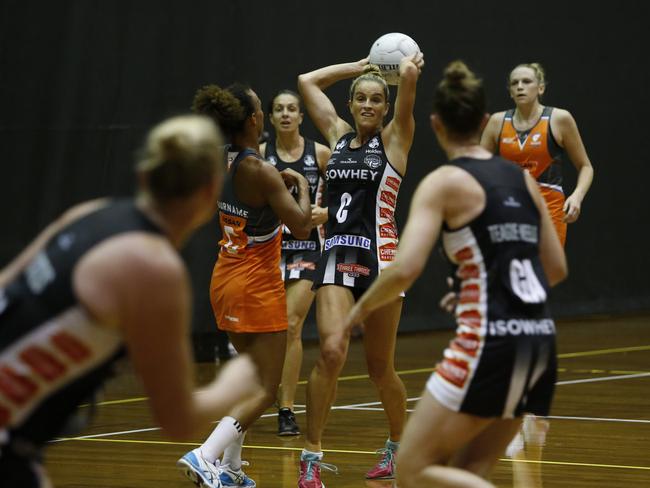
(599, 431)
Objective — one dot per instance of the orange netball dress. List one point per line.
(537, 151)
(246, 290)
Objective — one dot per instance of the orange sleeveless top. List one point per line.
(535, 150)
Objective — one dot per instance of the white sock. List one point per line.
(310, 455)
(222, 436)
(232, 454)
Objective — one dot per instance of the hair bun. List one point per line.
(222, 106)
(373, 69)
(456, 73)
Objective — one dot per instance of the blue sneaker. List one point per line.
(229, 477)
(201, 472)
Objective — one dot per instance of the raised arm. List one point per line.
(398, 134)
(568, 136)
(551, 252)
(490, 136)
(320, 108)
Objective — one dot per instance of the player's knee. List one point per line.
(294, 332)
(333, 355)
(269, 394)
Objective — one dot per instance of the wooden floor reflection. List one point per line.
(599, 432)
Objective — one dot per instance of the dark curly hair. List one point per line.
(229, 107)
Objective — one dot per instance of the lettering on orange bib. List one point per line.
(232, 228)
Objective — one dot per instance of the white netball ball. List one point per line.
(387, 52)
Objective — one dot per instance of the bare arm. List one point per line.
(318, 212)
(14, 268)
(568, 137)
(399, 132)
(296, 215)
(421, 233)
(551, 252)
(323, 154)
(137, 283)
(490, 135)
(320, 108)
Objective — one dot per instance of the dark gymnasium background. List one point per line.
(81, 81)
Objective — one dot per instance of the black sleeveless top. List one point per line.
(496, 255)
(53, 356)
(242, 226)
(361, 235)
(306, 165)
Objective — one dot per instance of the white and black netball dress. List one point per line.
(300, 256)
(53, 356)
(502, 361)
(361, 236)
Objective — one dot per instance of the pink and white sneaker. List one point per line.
(310, 466)
(385, 468)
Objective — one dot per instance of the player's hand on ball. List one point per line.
(417, 59)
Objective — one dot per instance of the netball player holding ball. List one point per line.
(364, 173)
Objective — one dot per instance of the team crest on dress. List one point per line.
(340, 145)
(272, 160)
(372, 161)
(374, 143)
(309, 160)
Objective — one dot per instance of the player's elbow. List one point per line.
(301, 231)
(300, 225)
(558, 272)
(304, 80)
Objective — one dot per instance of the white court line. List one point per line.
(605, 378)
(108, 434)
(360, 406)
(355, 406)
(598, 419)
